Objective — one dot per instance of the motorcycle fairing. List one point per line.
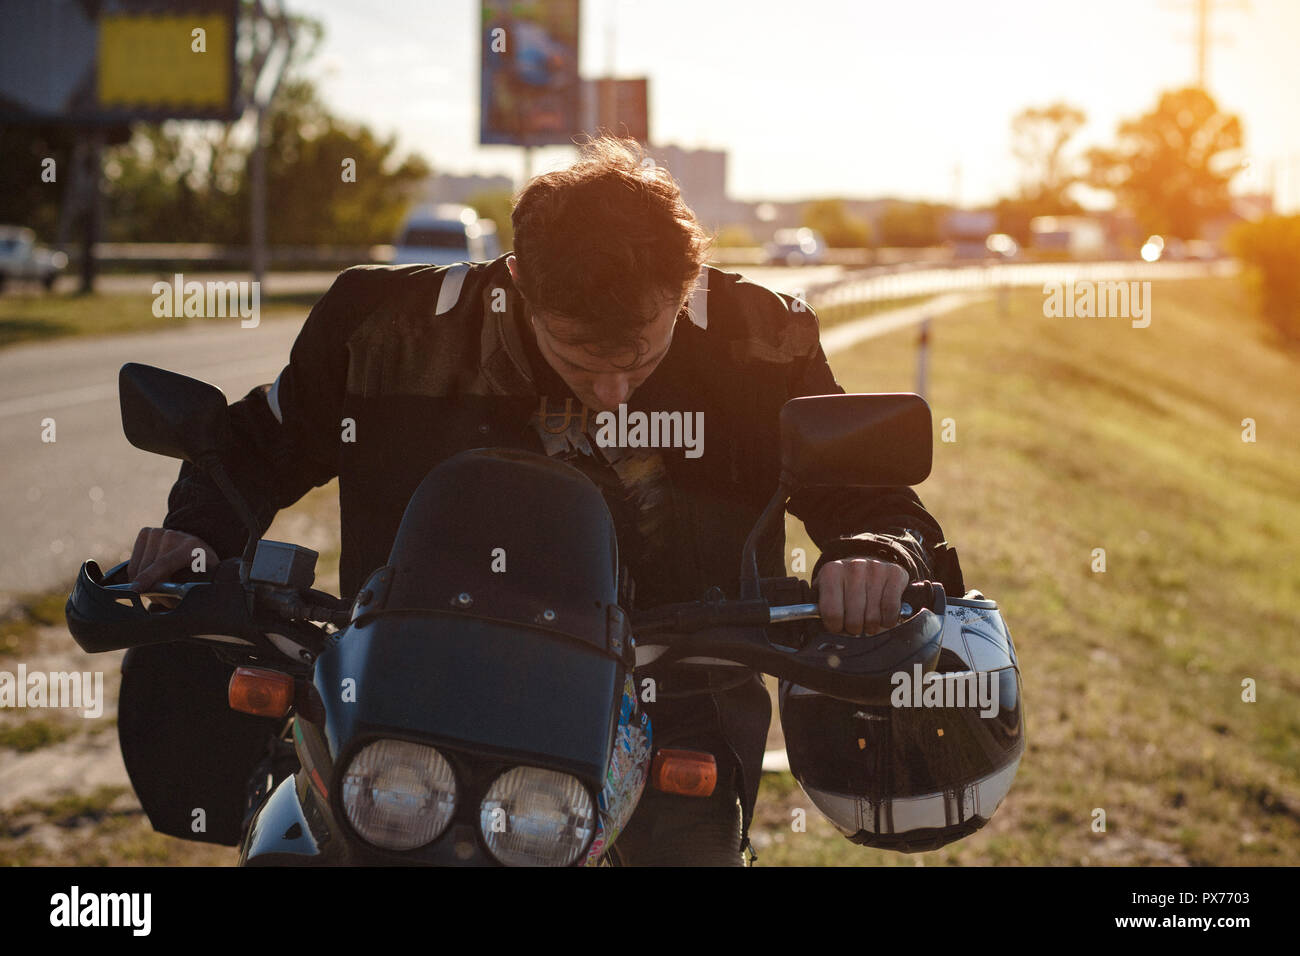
(629, 768)
(280, 834)
(472, 684)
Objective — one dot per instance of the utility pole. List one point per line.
(1202, 40)
(606, 103)
(94, 206)
(610, 26)
(1205, 37)
(273, 35)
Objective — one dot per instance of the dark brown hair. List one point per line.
(606, 243)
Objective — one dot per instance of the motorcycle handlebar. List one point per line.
(858, 669)
(104, 614)
(699, 615)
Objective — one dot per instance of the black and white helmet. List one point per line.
(931, 767)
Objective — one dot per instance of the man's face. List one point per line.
(601, 381)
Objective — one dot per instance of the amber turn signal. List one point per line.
(260, 692)
(691, 773)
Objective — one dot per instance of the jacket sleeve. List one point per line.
(286, 435)
(886, 523)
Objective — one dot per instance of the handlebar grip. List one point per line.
(920, 595)
(861, 669)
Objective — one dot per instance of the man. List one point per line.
(605, 304)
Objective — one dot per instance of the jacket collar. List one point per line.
(503, 360)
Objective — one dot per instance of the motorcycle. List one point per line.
(476, 703)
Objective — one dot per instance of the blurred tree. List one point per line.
(1270, 249)
(839, 228)
(175, 182)
(1014, 215)
(328, 181)
(496, 204)
(1039, 135)
(1173, 165)
(910, 224)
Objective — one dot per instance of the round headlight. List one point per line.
(533, 817)
(398, 794)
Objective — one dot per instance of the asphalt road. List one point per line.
(86, 493)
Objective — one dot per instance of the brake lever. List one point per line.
(171, 589)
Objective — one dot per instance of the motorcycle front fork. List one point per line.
(279, 761)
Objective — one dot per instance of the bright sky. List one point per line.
(859, 98)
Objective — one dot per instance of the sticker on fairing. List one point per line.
(629, 764)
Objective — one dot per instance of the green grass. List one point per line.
(71, 809)
(104, 827)
(20, 627)
(1075, 434)
(26, 317)
(830, 315)
(34, 734)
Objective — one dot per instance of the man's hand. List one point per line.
(158, 554)
(859, 595)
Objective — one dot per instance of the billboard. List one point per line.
(529, 87)
(619, 106)
(117, 61)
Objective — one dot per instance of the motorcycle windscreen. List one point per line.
(514, 534)
(494, 688)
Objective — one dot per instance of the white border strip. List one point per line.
(449, 292)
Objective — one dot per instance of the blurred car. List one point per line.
(443, 234)
(1073, 237)
(22, 258)
(1157, 248)
(966, 232)
(796, 247)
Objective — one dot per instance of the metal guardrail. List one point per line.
(914, 279)
(212, 255)
(929, 272)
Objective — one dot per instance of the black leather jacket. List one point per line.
(398, 368)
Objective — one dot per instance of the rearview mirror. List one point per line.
(170, 414)
(856, 440)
